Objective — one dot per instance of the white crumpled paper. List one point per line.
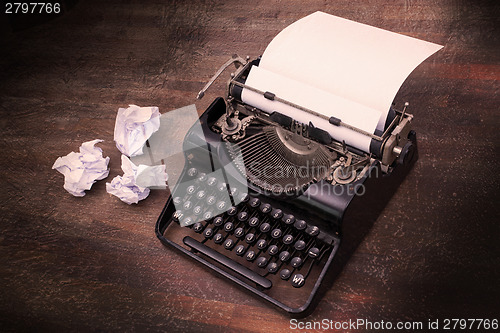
(132, 187)
(133, 126)
(82, 169)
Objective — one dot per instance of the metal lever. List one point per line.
(404, 111)
(234, 59)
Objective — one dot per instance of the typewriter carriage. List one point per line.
(297, 144)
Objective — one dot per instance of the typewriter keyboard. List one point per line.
(247, 235)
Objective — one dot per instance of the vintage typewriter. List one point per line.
(274, 204)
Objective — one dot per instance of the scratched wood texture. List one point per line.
(94, 263)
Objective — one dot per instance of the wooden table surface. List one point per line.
(94, 263)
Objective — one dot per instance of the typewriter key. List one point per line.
(300, 224)
(284, 256)
(197, 227)
(262, 262)
(273, 250)
(288, 219)
(265, 227)
(276, 233)
(222, 187)
(296, 262)
(211, 181)
(313, 252)
(234, 192)
(261, 244)
(288, 239)
(187, 205)
(244, 197)
(242, 216)
(239, 232)
(240, 250)
(300, 245)
(178, 215)
(202, 177)
(265, 208)
(221, 206)
(218, 238)
(254, 222)
(254, 202)
(201, 194)
(218, 221)
(312, 231)
(187, 221)
(250, 256)
(197, 210)
(211, 200)
(228, 227)
(232, 211)
(298, 280)
(190, 189)
(208, 215)
(192, 172)
(228, 244)
(177, 200)
(250, 238)
(272, 267)
(285, 274)
(209, 232)
(277, 214)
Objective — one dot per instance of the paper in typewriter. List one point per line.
(339, 68)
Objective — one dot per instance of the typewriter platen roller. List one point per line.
(272, 185)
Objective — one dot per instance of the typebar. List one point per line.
(222, 259)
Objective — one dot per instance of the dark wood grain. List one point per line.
(94, 263)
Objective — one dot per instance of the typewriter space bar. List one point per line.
(227, 262)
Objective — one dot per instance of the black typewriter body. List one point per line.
(286, 249)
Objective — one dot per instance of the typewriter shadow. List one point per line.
(359, 219)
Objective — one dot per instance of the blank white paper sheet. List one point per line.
(339, 68)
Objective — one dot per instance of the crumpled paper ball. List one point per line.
(133, 126)
(82, 169)
(132, 187)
